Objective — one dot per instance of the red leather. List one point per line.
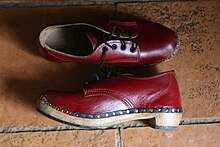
(119, 93)
(155, 43)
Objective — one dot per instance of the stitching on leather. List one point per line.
(110, 93)
(125, 23)
(145, 78)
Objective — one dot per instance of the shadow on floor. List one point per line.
(63, 77)
(26, 23)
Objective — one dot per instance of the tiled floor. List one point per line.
(192, 135)
(25, 75)
(59, 138)
(208, 135)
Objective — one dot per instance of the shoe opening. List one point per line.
(72, 39)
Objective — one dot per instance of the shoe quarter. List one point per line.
(131, 91)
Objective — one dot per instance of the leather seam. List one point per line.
(112, 94)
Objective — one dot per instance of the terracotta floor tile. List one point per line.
(191, 136)
(57, 139)
(24, 73)
(198, 63)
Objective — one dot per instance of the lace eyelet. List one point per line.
(114, 46)
(123, 47)
(132, 49)
(104, 49)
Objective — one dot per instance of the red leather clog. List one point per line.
(128, 42)
(109, 102)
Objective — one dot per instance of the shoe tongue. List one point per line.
(95, 38)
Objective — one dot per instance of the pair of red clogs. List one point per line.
(118, 99)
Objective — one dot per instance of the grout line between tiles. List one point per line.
(200, 121)
(74, 3)
(118, 137)
(126, 125)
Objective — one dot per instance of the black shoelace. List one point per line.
(114, 46)
(123, 47)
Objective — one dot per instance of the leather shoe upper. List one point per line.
(123, 42)
(120, 93)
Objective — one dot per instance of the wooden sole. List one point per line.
(163, 121)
